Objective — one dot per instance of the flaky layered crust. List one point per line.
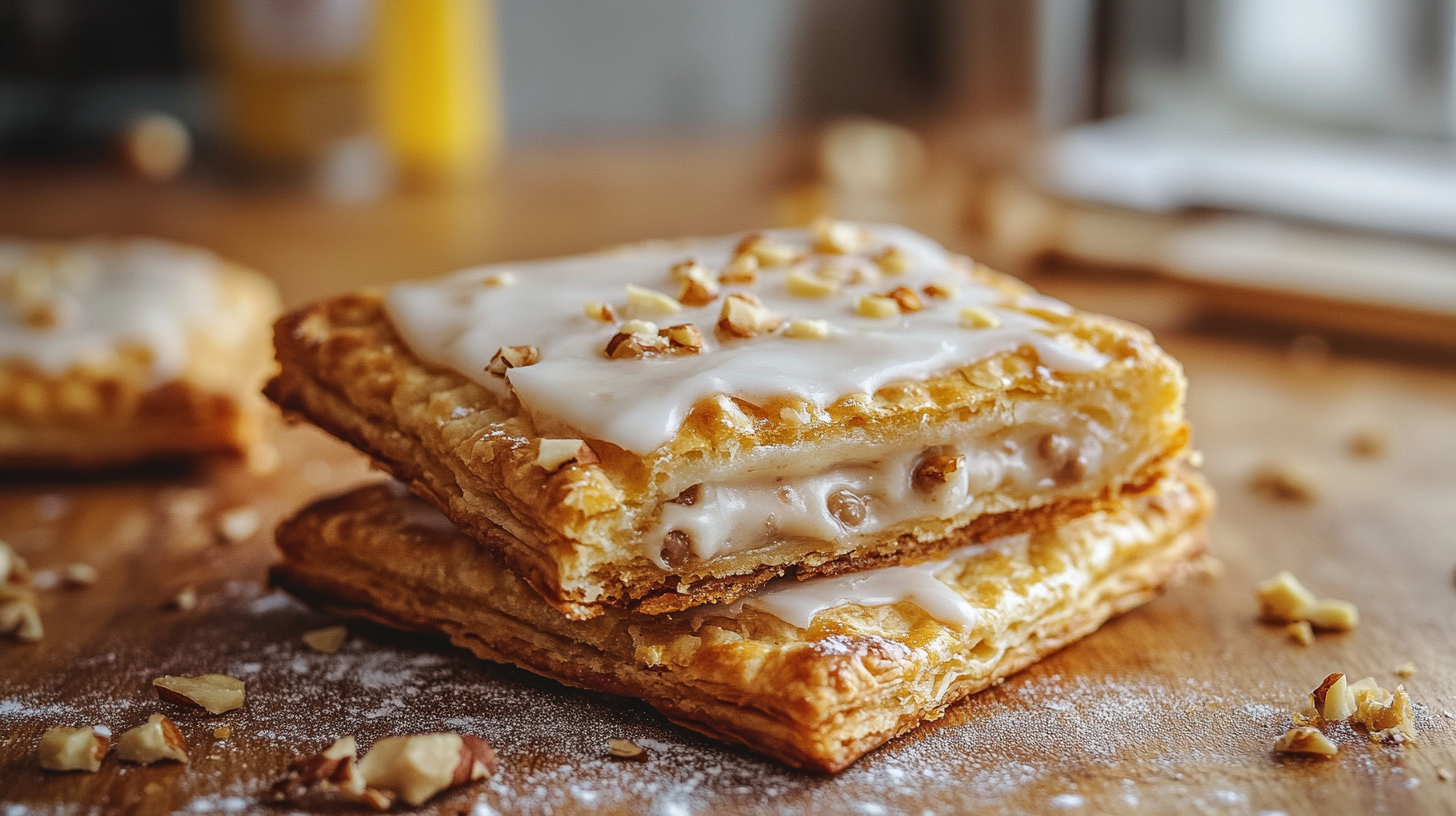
(108, 413)
(817, 698)
(575, 533)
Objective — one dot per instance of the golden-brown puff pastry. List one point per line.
(818, 693)
(117, 352)
(826, 400)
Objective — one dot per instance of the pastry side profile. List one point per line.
(673, 424)
(814, 673)
(120, 352)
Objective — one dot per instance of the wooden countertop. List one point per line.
(1171, 708)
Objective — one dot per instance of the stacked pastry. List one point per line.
(114, 352)
(799, 490)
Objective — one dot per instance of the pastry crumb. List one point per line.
(1405, 669)
(1369, 443)
(1305, 740)
(185, 600)
(1444, 774)
(221, 732)
(626, 749)
(238, 524)
(1283, 599)
(1285, 482)
(79, 575)
(326, 640)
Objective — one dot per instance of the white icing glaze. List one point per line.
(797, 602)
(62, 306)
(747, 514)
(462, 320)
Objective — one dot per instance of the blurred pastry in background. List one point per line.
(116, 352)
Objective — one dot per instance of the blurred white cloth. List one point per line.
(1163, 163)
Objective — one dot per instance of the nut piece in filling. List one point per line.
(72, 749)
(934, 469)
(156, 740)
(847, 507)
(677, 548)
(509, 357)
(213, 693)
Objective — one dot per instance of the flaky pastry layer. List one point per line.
(577, 533)
(818, 698)
(109, 413)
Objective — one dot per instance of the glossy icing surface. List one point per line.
(463, 320)
(67, 305)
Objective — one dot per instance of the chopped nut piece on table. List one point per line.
(73, 749)
(156, 740)
(1305, 740)
(326, 640)
(214, 693)
(626, 749)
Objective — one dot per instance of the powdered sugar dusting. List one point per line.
(1045, 740)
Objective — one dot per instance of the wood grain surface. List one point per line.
(1171, 708)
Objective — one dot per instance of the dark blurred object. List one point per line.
(74, 72)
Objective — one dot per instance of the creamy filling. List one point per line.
(573, 389)
(798, 602)
(74, 305)
(856, 498)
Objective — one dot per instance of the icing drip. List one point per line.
(797, 602)
(72, 305)
(461, 321)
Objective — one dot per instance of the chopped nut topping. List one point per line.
(509, 357)
(803, 329)
(417, 767)
(1283, 599)
(1405, 669)
(876, 306)
(684, 338)
(743, 316)
(626, 749)
(499, 279)
(698, 287)
(892, 260)
(1286, 482)
(802, 283)
(742, 270)
(906, 298)
(553, 454)
(238, 524)
(1305, 740)
(940, 290)
(1336, 616)
(934, 470)
(847, 506)
(1301, 632)
(636, 339)
(156, 740)
(838, 237)
(327, 640)
(765, 252)
(978, 317)
(597, 310)
(644, 302)
(73, 749)
(213, 693)
(80, 575)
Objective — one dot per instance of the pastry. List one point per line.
(671, 424)
(117, 352)
(815, 673)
